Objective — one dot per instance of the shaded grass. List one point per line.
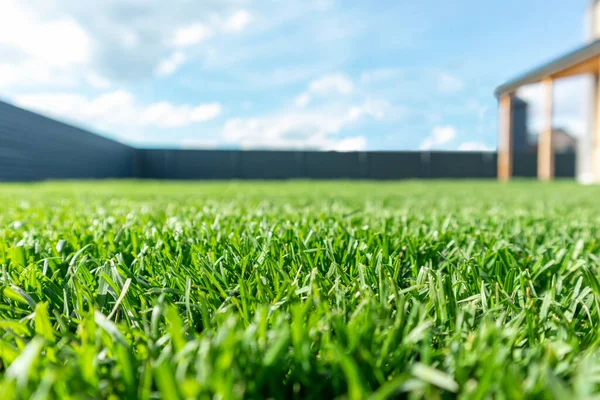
(299, 289)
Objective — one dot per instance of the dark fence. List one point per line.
(221, 164)
(33, 147)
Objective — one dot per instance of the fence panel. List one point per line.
(458, 165)
(271, 164)
(564, 165)
(331, 165)
(524, 165)
(396, 165)
(34, 147)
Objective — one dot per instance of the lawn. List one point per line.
(299, 290)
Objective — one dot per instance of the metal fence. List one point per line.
(33, 147)
(217, 164)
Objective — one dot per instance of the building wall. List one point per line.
(520, 110)
(33, 147)
(562, 142)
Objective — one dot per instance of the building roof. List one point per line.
(574, 63)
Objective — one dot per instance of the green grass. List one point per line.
(299, 290)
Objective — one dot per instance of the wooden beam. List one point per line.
(587, 67)
(505, 139)
(545, 148)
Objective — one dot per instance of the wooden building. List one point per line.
(584, 60)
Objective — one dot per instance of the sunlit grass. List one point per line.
(299, 289)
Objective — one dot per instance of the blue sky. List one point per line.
(320, 74)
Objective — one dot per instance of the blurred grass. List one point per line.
(299, 290)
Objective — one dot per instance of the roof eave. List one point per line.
(549, 69)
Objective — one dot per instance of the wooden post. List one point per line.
(595, 134)
(505, 139)
(545, 148)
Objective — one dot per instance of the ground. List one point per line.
(299, 289)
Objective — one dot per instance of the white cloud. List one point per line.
(32, 73)
(58, 43)
(118, 109)
(358, 143)
(123, 40)
(238, 21)
(306, 129)
(171, 64)
(331, 84)
(36, 51)
(167, 115)
(205, 112)
(97, 81)
(473, 146)
(334, 84)
(448, 83)
(440, 135)
(302, 100)
(317, 127)
(190, 35)
(372, 108)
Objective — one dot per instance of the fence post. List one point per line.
(426, 164)
(363, 162)
(236, 165)
(137, 163)
(300, 159)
